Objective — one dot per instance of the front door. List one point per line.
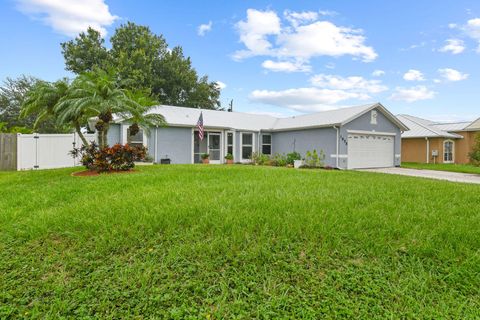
(214, 147)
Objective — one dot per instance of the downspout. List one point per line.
(336, 161)
(428, 150)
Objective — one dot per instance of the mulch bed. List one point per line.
(91, 173)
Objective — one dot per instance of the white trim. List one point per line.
(339, 156)
(226, 143)
(220, 144)
(428, 150)
(377, 133)
(193, 145)
(265, 144)
(453, 151)
(337, 145)
(241, 145)
(398, 156)
(124, 139)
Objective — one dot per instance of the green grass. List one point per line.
(223, 242)
(463, 168)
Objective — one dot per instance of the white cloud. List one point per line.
(305, 99)
(285, 66)
(69, 17)
(221, 85)
(353, 83)
(452, 75)
(254, 31)
(413, 75)
(412, 94)
(454, 46)
(303, 38)
(378, 73)
(204, 28)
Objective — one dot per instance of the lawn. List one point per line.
(214, 242)
(464, 168)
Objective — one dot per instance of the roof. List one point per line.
(181, 116)
(454, 126)
(475, 125)
(420, 128)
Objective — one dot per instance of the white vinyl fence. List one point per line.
(48, 151)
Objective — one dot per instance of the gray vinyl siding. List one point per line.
(114, 134)
(302, 141)
(175, 144)
(364, 123)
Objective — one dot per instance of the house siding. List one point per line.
(363, 123)
(302, 141)
(464, 146)
(175, 144)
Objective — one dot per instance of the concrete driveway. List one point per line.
(431, 174)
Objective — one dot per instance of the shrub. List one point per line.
(205, 156)
(279, 160)
(475, 154)
(313, 159)
(116, 158)
(292, 156)
(229, 156)
(260, 158)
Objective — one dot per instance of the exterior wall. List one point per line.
(302, 141)
(363, 123)
(464, 146)
(114, 134)
(415, 149)
(174, 143)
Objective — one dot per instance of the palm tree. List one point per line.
(96, 95)
(146, 120)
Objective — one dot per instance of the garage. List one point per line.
(370, 151)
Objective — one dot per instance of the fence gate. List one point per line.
(8, 151)
(47, 151)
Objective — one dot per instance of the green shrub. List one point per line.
(292, 156)
(314, 159)
(205, 156)
(229, 156)
(260, 158)
(475, 154)
(279, 160)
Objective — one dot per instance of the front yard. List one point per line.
(245, 242)
(463, 168)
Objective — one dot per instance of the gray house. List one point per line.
(365, 136)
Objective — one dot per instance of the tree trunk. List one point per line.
(80, 134)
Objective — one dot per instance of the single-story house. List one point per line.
(365, 136)
(432, 142)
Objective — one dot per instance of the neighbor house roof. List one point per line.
(474, 126)
(423, 128)
(181, 116)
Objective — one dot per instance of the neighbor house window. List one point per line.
(448, 151)
(136, 140)
(267, 144)
(247, 145)
(230, 143)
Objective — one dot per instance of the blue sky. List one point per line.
(283, 57)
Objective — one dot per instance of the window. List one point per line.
(448, 151)
(267, 144)
(373, 117)
(230, 143)
(136, 140)
(247, 145)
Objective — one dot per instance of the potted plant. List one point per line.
(205, 158)
(229, 158)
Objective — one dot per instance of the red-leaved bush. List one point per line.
(116, 158)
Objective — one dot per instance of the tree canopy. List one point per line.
(143, 61)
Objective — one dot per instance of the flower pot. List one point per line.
(206, 161)
(298, 163)
(229, 161)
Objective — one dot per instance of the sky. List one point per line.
(281, 57)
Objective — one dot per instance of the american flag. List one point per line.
(200, 127)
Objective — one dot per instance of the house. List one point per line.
(433, 142)
(357, 137)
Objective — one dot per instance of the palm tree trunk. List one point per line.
(80, 134)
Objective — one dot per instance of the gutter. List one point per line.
(336, 161)
(156, 144)
(428, 150)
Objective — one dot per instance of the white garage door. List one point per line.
(370, 151)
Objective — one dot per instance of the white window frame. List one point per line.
(227, 145)
(373, 117)
(125, 135)
(453, 151)
(248, 145)
(266, 144)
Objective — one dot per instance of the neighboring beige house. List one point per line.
(433, 142)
